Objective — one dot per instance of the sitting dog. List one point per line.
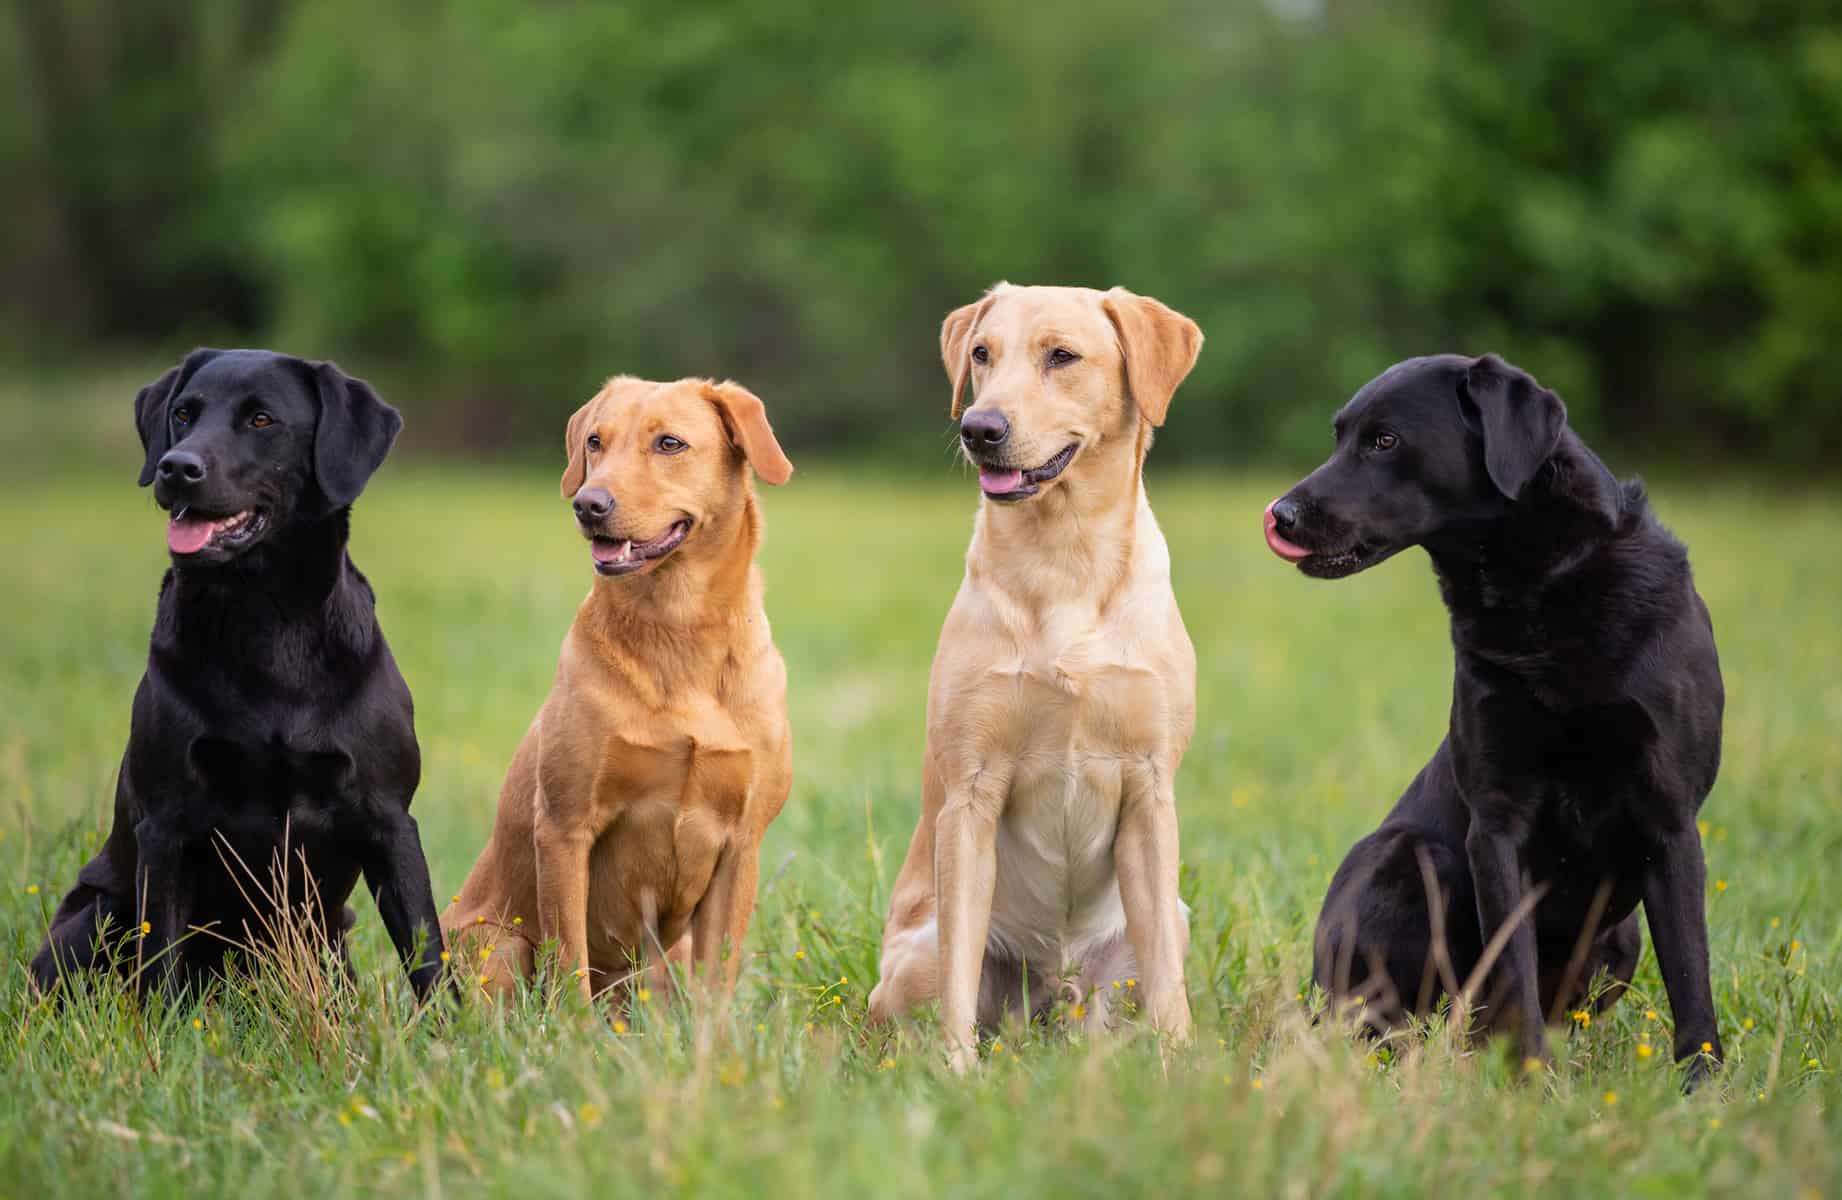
(272, 733)
(1063, 693)
(1586, 709)
(633, 811)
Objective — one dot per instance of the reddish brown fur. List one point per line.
(632, 815)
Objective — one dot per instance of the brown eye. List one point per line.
(981, 355)
(1061, 356)
(261, 420)
(594, 443)
(1383, 442)
(667, 444)
(182, 416)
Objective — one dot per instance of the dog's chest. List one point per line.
(669, 801)
(268, 789)
(1079, 712)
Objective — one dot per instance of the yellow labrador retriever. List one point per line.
(1063, 692)
(632, 815)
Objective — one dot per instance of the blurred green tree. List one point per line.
(505, 201)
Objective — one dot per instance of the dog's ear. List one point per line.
(1519, 420)
(1160, 346)
(575, 446)
(746, 419)
(355, 432)
(956, 343)
(152, 404)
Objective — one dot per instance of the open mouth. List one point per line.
(189, 532)
(1013, 484)
(624, 556)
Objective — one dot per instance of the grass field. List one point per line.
(1317, 704)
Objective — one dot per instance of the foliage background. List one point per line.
(491, 205)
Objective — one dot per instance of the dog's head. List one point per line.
(242, 444)
(1432, 448)
(1055, 371)
(654, 465)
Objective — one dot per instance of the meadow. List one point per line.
(1317, 704)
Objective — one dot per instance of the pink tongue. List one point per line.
(606, 551)
(188, 535)
(996, 483)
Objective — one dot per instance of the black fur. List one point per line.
(1586, 708)
(272, 714)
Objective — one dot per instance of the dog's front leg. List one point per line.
(163, 899)
(1674, 908)
(965, 876)
(722, 915)
(562, 845)
(1494, 851)
(398, 876)
(1145, 855)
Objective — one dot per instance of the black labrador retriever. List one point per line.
(1586, 710)
(272, 734)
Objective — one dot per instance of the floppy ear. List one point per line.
(1160, 345)
(575, 446)
(1520, 421)
(956, 343)
(151, 406)
(355, 432)
(746, 418)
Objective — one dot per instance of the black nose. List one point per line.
(1285, 514)
(181, 467)
(983, 429)
(593, 505)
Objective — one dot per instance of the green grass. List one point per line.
(1317, 704)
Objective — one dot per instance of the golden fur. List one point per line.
(1063, 691)
(633, 811)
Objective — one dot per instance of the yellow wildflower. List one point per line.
(643, 995)
(1720, 885)
(1644, 1050)
(31, 889)
(444, 956)
(589, 1115)
(146, 928)
(1707, 1047)
(197, 1024)
(1611, 1098)
(620, 1026)
(1582, 1018)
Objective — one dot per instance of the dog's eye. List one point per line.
(1384, 442)
(667, 444)
(594, 443)
(261, 420)
(981, 355)
(1061, 356)
(182, 415)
